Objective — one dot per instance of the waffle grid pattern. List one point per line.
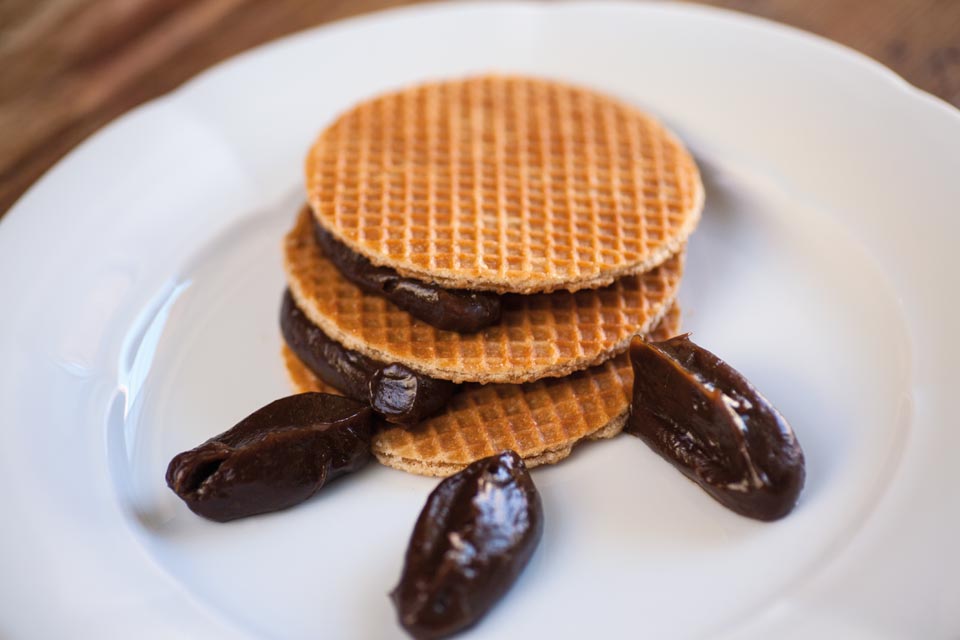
(505, 184)
(538, 335)
(540, 420)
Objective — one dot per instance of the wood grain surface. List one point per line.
(67, 67)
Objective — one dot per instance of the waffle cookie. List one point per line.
(506, 184)
(541, 421)
(540, 335)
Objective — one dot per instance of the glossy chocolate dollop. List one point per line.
(713, 425)
(277, 457)
(450, 309)
(402, 395)
(474, 536)
(395, 391)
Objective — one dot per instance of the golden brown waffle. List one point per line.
(541, 421)
(538, 335)
(505, 184)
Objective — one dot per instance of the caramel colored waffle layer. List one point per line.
(507, 184)
(541, 421)
(540, 335)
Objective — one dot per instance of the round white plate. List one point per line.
(141, 278)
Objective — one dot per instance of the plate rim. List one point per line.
(23, 218)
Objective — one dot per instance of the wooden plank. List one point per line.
(71, 66)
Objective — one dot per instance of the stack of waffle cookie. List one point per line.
(567, 209)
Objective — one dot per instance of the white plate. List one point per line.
(140, 282)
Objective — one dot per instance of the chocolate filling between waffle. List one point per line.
(396, 392)
(449, 309)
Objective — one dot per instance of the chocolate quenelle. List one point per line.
(277, 457)
(700, 414)
(450, 309)
(474, 536)
(396, 392)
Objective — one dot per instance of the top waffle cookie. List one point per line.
(506, 184)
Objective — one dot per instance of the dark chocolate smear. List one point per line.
(450, 309)
(276, 457)
(707, 420)
(475, 535)
(395, 391)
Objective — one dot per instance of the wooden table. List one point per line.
(67, 67)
